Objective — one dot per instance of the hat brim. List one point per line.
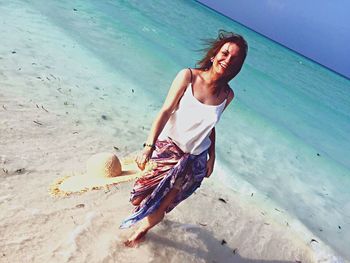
(79, 183)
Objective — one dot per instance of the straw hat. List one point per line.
(102, 169)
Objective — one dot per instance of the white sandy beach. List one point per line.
(37, 227)
(54, 114)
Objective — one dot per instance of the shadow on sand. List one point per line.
(214, 251)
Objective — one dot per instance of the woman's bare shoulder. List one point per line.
(184, 76)
(177, 89)
(230, 95)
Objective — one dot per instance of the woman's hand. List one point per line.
(143, 157)
(210, 166)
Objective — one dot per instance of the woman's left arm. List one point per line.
(211, 152)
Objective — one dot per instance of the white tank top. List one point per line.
(190, 125)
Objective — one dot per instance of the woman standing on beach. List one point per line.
(183, 134)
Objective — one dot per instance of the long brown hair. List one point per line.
(214, 45)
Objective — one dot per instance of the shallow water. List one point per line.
(285, 137)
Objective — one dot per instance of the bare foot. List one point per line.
(136, 238)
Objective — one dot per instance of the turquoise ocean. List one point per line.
(285, 139)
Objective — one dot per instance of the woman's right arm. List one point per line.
(175, 93)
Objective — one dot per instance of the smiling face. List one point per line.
(225, 59)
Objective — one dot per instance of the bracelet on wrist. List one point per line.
(149, 145)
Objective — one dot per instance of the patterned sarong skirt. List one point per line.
(174, 168)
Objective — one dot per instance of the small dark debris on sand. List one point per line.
(5, 170)
(223, 242)
(202, 224)
(298, 261)
(13, 52)
(75, 132)
(318, 154)
(39, 123)
(235, 251)
(313, 240)
(104, 117)
(4, 107)
(339, 227)
(80, 206)
(266, 224)
(44, 108)
(222, 200)
(251, 194)
(278, 210)
(19, 171)
(75, 223)
(116, 148)
(132, 90)
(74, 9)
(320, 229)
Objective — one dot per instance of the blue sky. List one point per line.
(317, 29)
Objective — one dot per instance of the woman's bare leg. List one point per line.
(138, 199)
(151, 220)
